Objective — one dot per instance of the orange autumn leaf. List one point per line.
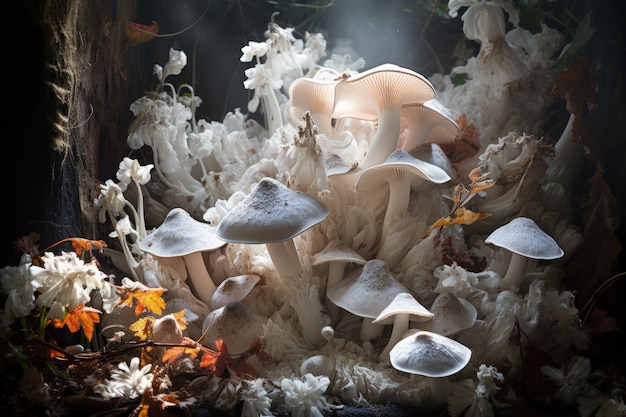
(459, 216)
(138, 33)
(80, 244)
(180, 319)
(80, 317)
(144, 298)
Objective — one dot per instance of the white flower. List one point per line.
(17, 283)
(129, 169)
(123, 228)
(66, 282)
(305, 398)
(254, 49)
(174, 66)
(484, 19)
(454, 279)
(111, 199)
(256, 403)
(129, 382)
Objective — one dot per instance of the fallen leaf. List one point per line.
(138, 33)
(80, 317)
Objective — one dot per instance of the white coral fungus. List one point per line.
(305, 397)
(129, 382)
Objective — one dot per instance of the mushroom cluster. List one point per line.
(342, 280)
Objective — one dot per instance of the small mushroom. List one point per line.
(337, 254)
(428, 122)
(451, 315)
(402, 309)
(365, 292)
(235, 324)
(273, 214)
(379, 93)
(398, 171)
(166, 329)
(432, 355)
(233, 289)
(525, 240)
(180, 235)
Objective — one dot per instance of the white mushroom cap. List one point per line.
(363, 95)
(430, 117)
(398, 165)
(182, 235)
(451, 315)
(404, 303)
(379, 93)
(367, 290)
(235, 324)
(524, 237)
(272, 212)
(337, 251)
(233, 289)
(433, 154)
(429, 354)
(525, 240)
(335, 165)
(179, 235)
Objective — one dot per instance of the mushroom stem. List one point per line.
(272, 110)
(284, 257)
(200, 278)
(369, 330)
(515, 273)
(385, 140)
(439, 390)
(399, 195)
(400, 326)
(335, 273)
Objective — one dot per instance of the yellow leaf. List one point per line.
(143, 327)
(180, 319)
(146, 299)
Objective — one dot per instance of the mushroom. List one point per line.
(524, 239)
(235, 324)
(337, 254)
(180, 235)
(451, 315)
(432, 355)
(403, 307)
(316, 96)
(233, 289)
(366, 292)
(398, 171)
(430, 120)
(166, 329)
(433, 154)
(379, 93)
(273, 214)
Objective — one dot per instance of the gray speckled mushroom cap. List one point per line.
(179, 235)
(429, 354)
(522, 236)
(366, 290)
(272, 212)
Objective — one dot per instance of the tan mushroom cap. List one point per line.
(316, 96)
(429, 354)
(367, 290)
(451, 315)
(179, 235)
(272, 212)
(364, 95)
(524, 237)
(233, 289)
(404, 303)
